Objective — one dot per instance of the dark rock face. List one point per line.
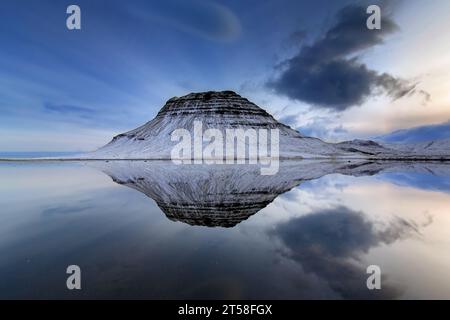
(226, 103)
(225, 215)
(224, 109)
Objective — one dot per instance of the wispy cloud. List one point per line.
(206, 19)
(70, 110)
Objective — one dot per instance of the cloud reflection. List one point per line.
(330, 243)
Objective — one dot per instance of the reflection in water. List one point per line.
(316, 241)
(328, 243)
(223, 196)
(419, 180)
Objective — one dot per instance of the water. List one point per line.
(35, 154)
(150, 230)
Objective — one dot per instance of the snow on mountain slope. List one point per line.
(366, 147)
(228, 110)
(216, 110)
(430, 148)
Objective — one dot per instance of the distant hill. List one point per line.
(418, 134)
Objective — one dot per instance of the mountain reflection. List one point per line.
(225, 195)
(313, 242)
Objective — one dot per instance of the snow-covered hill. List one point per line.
(216, 110)
(437, 148)
(228, 110)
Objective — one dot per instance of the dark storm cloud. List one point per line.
(329, 244)
(328, 74)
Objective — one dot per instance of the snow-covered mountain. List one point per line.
(216, 110)
(436, 148)
(433, 132)
(228, 110)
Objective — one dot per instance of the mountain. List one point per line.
(227, 110)
(436, 148)
(418, 134)
(215, 110)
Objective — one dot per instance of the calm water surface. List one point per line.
(143, 232)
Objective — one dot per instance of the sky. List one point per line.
(312, 64)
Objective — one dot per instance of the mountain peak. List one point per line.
(219, 103)
(206, 96)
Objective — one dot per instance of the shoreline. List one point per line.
(393, 159)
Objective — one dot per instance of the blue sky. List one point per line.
(63, 90)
